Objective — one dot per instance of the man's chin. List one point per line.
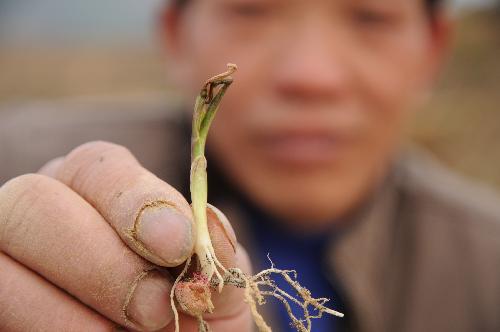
(309, 216)
(312, 199)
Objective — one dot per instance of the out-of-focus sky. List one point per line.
(471, 3)
(68, 22)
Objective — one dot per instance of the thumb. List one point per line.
(230, 301)
(222, 236)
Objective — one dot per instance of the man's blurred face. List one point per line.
(320, 98)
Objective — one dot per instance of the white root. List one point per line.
(261, 285)
(172, 293)
(210, 265)
(256, 289)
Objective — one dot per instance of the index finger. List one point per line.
(148, 214)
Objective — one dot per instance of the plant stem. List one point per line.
(206, 106)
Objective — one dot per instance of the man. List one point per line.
(304, 158)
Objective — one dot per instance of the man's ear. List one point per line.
(441, 41)
(172, 36)
(169, 24)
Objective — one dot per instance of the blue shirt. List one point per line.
(304, 253)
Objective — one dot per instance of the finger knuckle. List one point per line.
(80, 162)
(96, 150)
(16, 197)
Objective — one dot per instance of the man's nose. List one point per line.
(311, 66)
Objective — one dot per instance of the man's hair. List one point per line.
(432, 6)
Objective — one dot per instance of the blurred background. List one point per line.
(94, 52)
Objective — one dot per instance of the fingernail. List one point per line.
(166, 233)
(149, 305)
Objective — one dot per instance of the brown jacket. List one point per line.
(423, 255)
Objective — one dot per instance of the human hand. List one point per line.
(89, 244)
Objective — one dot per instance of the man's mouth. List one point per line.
(302, 149)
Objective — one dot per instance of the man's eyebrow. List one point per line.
(178, 3)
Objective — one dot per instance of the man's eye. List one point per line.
(248, 9)
(371, 17)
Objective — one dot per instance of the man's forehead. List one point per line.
(313, 2)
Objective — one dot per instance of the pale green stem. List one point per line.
(206, 107)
